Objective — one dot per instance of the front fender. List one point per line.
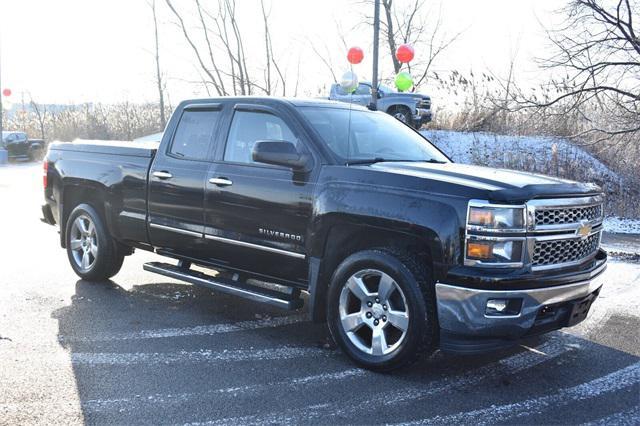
(433, 220)
(387, 104)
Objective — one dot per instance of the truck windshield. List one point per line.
(359, 136)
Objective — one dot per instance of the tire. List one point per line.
(403, 114)
(92, 252)
(403, 312)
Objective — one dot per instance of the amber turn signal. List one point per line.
(477, 250)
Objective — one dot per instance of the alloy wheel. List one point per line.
(373, 312)
(401, 116)
(84, 243)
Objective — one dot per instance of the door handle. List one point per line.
(220, 181)
(163, 175)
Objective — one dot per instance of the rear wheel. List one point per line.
(381, 309)
(92, 253)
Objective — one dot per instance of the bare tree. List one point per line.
(410, 23)
(218, 45)
(213, 76)
(270, 57)
(597, 49)
(40, 112)
(159, 79)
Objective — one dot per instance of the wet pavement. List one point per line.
(143, 349)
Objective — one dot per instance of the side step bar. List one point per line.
(289, 300)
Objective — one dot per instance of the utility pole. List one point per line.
(374, 76)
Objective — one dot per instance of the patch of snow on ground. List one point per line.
(620, 225)
(540, 154)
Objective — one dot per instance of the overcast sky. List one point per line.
(69, 51)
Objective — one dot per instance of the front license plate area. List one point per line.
(580, 309)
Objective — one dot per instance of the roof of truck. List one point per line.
(297, 102)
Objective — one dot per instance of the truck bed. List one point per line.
(128, 148)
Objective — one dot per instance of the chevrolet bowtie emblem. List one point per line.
(584, 230)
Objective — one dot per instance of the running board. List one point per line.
(289, 300)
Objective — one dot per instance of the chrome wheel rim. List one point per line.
(373, 312)
(401, 116)
(84, 243)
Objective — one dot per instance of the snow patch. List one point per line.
(541, 154)
(620, 225)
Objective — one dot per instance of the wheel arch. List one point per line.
(345, 238)
(76, 193)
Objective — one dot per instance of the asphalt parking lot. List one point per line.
(143, 349)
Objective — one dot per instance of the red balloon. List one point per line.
(6, 92)
(405, 53)
(355, 55)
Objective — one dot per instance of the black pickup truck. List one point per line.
(400, 250)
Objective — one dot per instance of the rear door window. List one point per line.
(195, 134)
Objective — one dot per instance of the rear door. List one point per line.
(257, 215)
(177, 181)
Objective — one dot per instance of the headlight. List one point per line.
(495, 235)
(487, 250)
(496, 218)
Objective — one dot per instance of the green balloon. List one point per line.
(404, 81)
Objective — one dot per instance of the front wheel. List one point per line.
(381, 309)
(403, 114)
(92, 253)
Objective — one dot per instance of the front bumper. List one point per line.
(466, 327)
(422, 115)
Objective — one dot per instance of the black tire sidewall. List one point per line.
(417, 307)
(107, 259)
(408, 120)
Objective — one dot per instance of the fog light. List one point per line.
(497, 304)
(500, 307)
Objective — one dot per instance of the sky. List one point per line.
(71, 51)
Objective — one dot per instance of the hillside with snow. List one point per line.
(547, 155)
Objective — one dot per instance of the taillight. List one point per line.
(45, 172)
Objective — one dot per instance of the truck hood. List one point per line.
(502, 185)
(405, 95)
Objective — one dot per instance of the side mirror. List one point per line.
(380, 94)
(280, 153)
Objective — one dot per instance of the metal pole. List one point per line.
(374, 76)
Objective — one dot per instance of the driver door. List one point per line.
(257, 215)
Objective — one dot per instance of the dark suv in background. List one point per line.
(20, 147)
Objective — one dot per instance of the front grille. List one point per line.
(424, 104)
(565, 215)
(554, 252)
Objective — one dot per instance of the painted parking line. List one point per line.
(511, 365)
(624, 418)
(150, 358)
(199, 330)
(128, 404)
(611, 382)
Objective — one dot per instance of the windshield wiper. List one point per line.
(384, 160)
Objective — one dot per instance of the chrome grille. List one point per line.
(553, 252)
(565, 215)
